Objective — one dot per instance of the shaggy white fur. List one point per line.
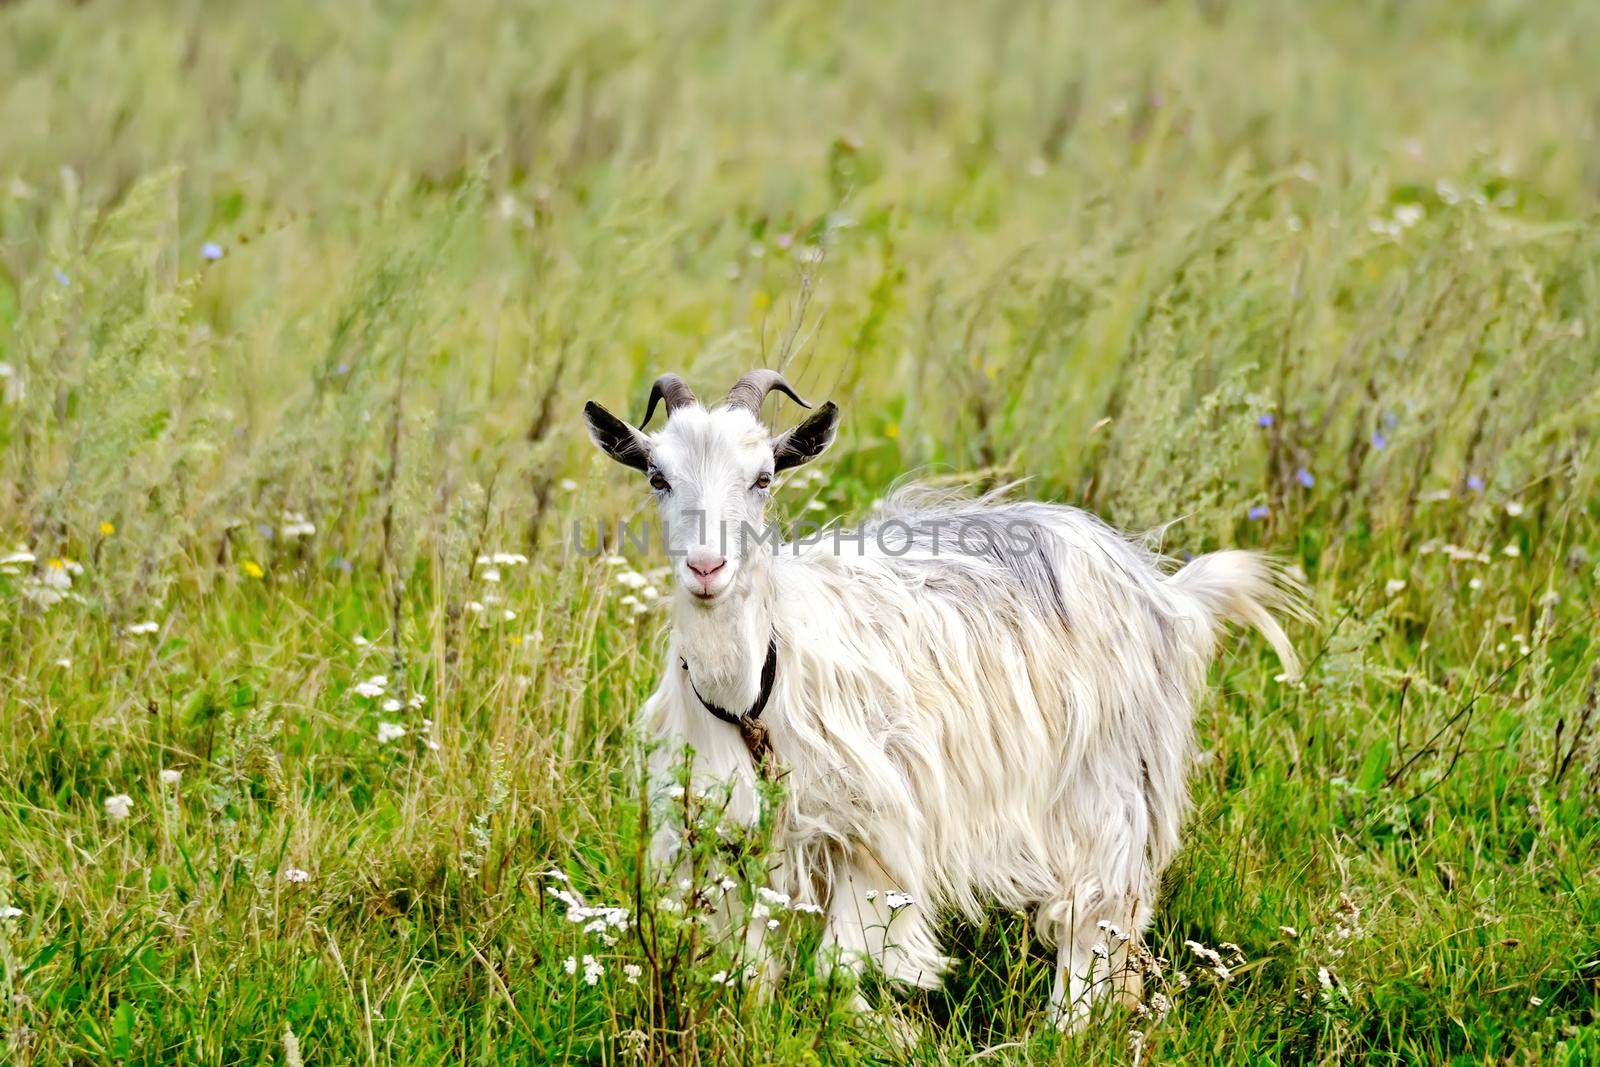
(977, 701)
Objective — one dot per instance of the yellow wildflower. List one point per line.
(252, 569)
(107, 529)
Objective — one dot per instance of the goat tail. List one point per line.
(1248, 588)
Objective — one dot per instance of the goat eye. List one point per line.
(763, 480)
(658, 483)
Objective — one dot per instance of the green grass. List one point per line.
(1087, 244)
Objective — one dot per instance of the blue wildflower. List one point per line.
(265, 530)
(1379, 441)
(1475, 483)
(1264, 419)
(61, 276)
(1259, 512)
(1304, 477)
(1390, 418)
(211, 250)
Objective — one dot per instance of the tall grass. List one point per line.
(298, 306)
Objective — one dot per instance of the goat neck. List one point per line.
(725, 643)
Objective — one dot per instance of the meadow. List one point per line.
(311, 711)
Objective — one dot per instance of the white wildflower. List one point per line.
(592, 970)
(568, 485)
(1394, 586)
(1514, 508)
(372, 687)
(9, 912)
(895, 900)
(490, 574)
(170, 777)
(295, 526)
(595, 920)
(118, 806)
(390, 731)
(296, 875)
(147, 627)
(392, 705)
(631, 973)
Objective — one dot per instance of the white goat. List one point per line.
(977, 701)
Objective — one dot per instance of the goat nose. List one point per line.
(704, 566)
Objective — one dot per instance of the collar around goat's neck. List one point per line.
(752, 731)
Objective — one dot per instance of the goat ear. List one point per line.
(807, 441)
(616, 438)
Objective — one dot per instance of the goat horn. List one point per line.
(749, 391)
(674, 390)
